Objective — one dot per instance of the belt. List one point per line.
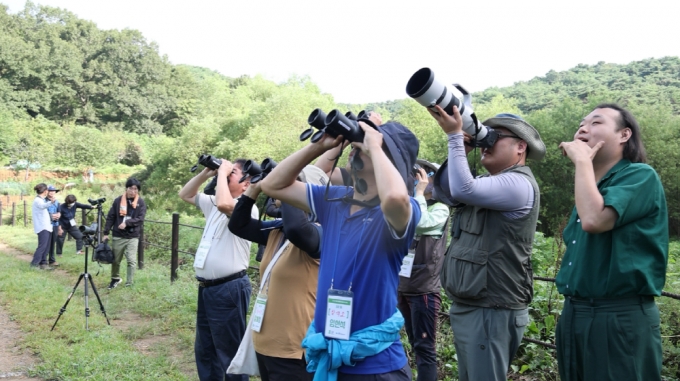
(214, 282)
(595, 302)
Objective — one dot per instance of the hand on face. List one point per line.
(449, 123)
(375, 118)
(225, 168)
(579, 150)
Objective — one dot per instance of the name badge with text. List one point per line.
(339, 314)
(202, 253)
(258, 312)
(407, 264)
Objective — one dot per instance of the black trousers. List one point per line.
(75, 233)
(420, 321)
(40, 255)
(280, 369)
(53, 243)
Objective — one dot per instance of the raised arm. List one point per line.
(300, 231)
(190, 189)
(394, 199)
(326, 160)
(281, 182)
(242, 224)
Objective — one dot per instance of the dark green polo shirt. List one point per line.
(631, 258)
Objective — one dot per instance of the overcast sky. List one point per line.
(365, 51)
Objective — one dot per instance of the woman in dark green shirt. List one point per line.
(617, 252)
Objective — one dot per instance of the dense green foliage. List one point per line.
(73, 96)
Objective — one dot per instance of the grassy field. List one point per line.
(152, 324)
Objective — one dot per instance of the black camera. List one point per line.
(336, 124)
(96, 202)
(257, 172)
(208, 161)
(89, 230)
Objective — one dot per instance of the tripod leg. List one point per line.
(101, 305)
(63, 309)
(87, 304)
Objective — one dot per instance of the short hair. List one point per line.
(240, 162)
(634, 150)
(70, 199)
(133, 181)
(40, 188)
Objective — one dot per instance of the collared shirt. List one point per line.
(631, 258)
(432, 218)
(361, 250)
(52, 209)
(228, 254)
(41, 217)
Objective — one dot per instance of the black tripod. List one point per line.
(89, 241)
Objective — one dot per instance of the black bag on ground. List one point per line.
(103, 254)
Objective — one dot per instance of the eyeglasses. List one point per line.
(133, 189)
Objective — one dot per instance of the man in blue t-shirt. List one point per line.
(366, 236)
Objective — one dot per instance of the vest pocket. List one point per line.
(464, 273)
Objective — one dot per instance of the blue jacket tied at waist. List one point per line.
(325, 356)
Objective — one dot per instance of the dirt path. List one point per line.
(14, 360)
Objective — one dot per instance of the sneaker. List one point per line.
(128, 284)
(114, 283)
(80, 252)
(54, 264)
(46, 267)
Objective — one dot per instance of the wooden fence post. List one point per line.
(0, 212)
(174, 261)
(140, 248)
(25, 217)
(14, 214)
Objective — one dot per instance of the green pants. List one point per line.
(127, 246)
(609, 340)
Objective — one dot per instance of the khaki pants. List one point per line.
(127, 246)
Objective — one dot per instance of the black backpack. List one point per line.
(103, 254)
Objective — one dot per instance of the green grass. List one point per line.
(153, 310)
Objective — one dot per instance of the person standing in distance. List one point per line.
(126, 218)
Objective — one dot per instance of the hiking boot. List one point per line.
(114, 283)
(54, 264)
(46, 267)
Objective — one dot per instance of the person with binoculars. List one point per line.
(487, 269)
(288, 279)
(125, 219)
(220, 265)
(366, 235)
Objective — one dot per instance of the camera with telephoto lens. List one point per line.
(336, 124)
(257, 172)
(425, 89)
(208, 161)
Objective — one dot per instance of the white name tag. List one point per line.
(339, 314)
(407, 264)
(72, 221)
(202, 252)
(258, 312)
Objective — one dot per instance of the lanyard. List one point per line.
(365, 221)
(270, 267)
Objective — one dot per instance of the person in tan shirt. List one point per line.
(289, 285)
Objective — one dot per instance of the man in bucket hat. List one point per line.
(487, 270)
(355, 332)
